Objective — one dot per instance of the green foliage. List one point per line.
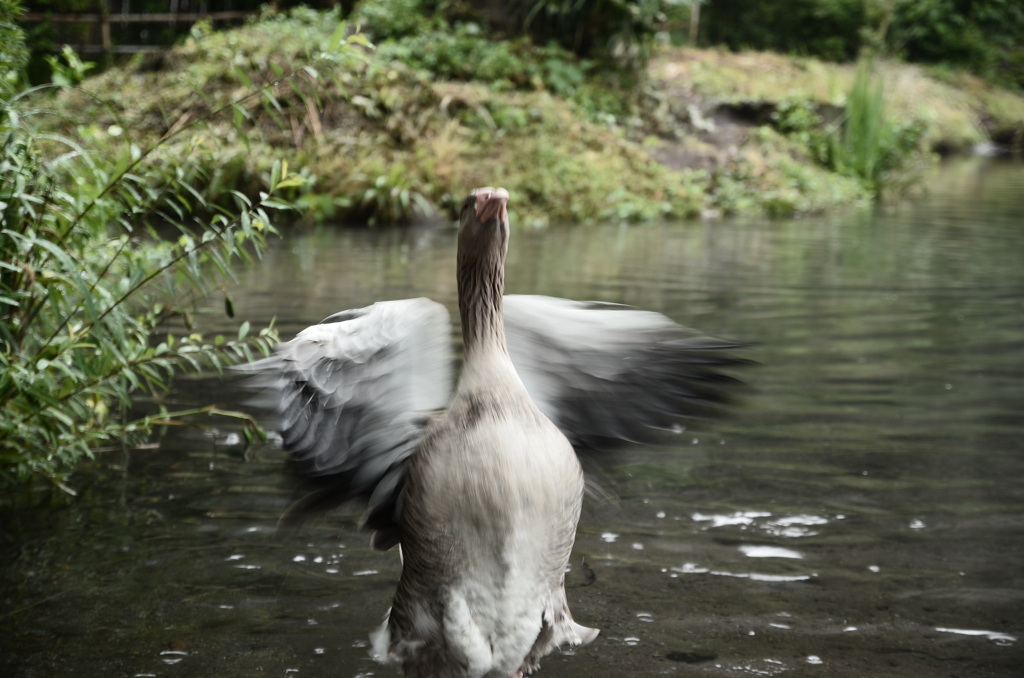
(866, 141)
(462, 52)
(559, 168)
(70, 74)
(796, 117)
(389, 196)
(103, 246)
(378, 137)
(621, 31)
(777, 175)
(13, 52)
(870, 144)
(86, 280)
(400, 132)
(986, 36)
(829, 29)
(382, 19)
(800, 120)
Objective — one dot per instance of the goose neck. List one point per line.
(481, 283)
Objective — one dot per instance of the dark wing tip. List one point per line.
(610, 375)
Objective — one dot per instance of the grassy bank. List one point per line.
(960, 110)
(400, 132)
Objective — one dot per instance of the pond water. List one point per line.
(861, 513)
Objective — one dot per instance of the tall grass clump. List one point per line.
(860, 145)
(868, 142)
(100, 254)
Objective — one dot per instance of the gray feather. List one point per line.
(607, 374)
(351, 395)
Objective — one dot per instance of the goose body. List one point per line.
(484, 498)
(492, 498)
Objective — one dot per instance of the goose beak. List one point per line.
(491, 202)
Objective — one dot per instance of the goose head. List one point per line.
(483, 224)
(483, 243)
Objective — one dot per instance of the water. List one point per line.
(860, 515)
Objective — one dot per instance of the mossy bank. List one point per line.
(399, 132)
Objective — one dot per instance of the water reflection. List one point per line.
(692, 568)
(903, 496)
(999, 638)
(752, 551)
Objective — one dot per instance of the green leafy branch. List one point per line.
(98, 252)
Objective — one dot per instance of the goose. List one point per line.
(481, 489)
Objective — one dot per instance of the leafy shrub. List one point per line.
(81, 299)
(100, 251)
(986, 36)
(68, 68)
(13, 52)
(775, 175)
(621, 31)
(389, 196)
(799, 120)
(795, 116)
(829, 29)
(383, 19)
(463, 53)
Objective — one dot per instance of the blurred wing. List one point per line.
(607, 374)
(353, 395)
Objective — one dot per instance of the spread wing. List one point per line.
(607, 374)
(353, 395)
